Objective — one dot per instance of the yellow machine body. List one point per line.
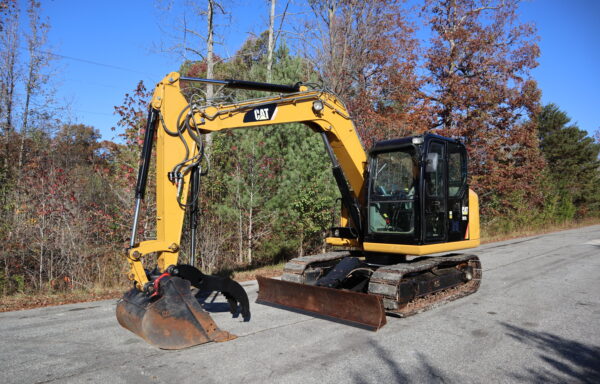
(334, 120)
(320, 110)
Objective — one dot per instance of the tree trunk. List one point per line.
(8, 71)
(5, 277)
(251, 205)
(28, 92)
(51, 276)
(240, 216)
(210, 64)
(301, 250)
(271, 45)
(332, 42)
(41, 257)
(250, 223)
(35, 40)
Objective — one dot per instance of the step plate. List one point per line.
(355, 308)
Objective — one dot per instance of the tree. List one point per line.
(257, 174)
(64, 214)
(77, 144)
(481, 91)
(366, 52)
(200, 45)
(6, 7)
(271, 44)
(125, 160)
(273, 35)
(36, 79)
(9, 55)
(572, 159)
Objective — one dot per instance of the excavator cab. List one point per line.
(417, 191)
(415, 202)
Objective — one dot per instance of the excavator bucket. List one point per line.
(353, 307)
(173, 319)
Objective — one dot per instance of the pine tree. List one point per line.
(572, 158)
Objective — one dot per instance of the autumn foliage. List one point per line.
(480, 90)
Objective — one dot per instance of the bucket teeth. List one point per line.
(174, 320)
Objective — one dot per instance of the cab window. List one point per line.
(457, 170)
(394, 175)
(393, 189)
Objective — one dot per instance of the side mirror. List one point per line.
(432, 162)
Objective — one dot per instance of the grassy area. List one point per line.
(28, 301)
(36, 300)
(267, 271)
(490, 237)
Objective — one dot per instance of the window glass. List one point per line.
(434, 172)
(394, 175)
(457, 170)
(435, 200)
(394, 183)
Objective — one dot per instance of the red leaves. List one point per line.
(370, 59)
(132, 115)
(481, 91)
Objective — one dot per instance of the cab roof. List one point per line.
(388, 145)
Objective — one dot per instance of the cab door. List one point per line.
(435, 193)
(458, 192)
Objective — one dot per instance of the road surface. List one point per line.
(536, 318)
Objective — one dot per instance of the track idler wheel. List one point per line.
(172, 318)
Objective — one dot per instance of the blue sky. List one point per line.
(107, 47)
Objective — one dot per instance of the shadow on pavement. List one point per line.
(207, 301)
(424, 373)
(568, 360)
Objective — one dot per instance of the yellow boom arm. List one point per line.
(320, 110)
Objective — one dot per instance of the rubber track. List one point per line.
(385, 281)
(295, 269)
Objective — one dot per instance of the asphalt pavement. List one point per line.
(536, 318)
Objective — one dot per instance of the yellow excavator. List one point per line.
(402, 203)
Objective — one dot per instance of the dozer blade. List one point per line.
(353, 307)
(173, 320)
